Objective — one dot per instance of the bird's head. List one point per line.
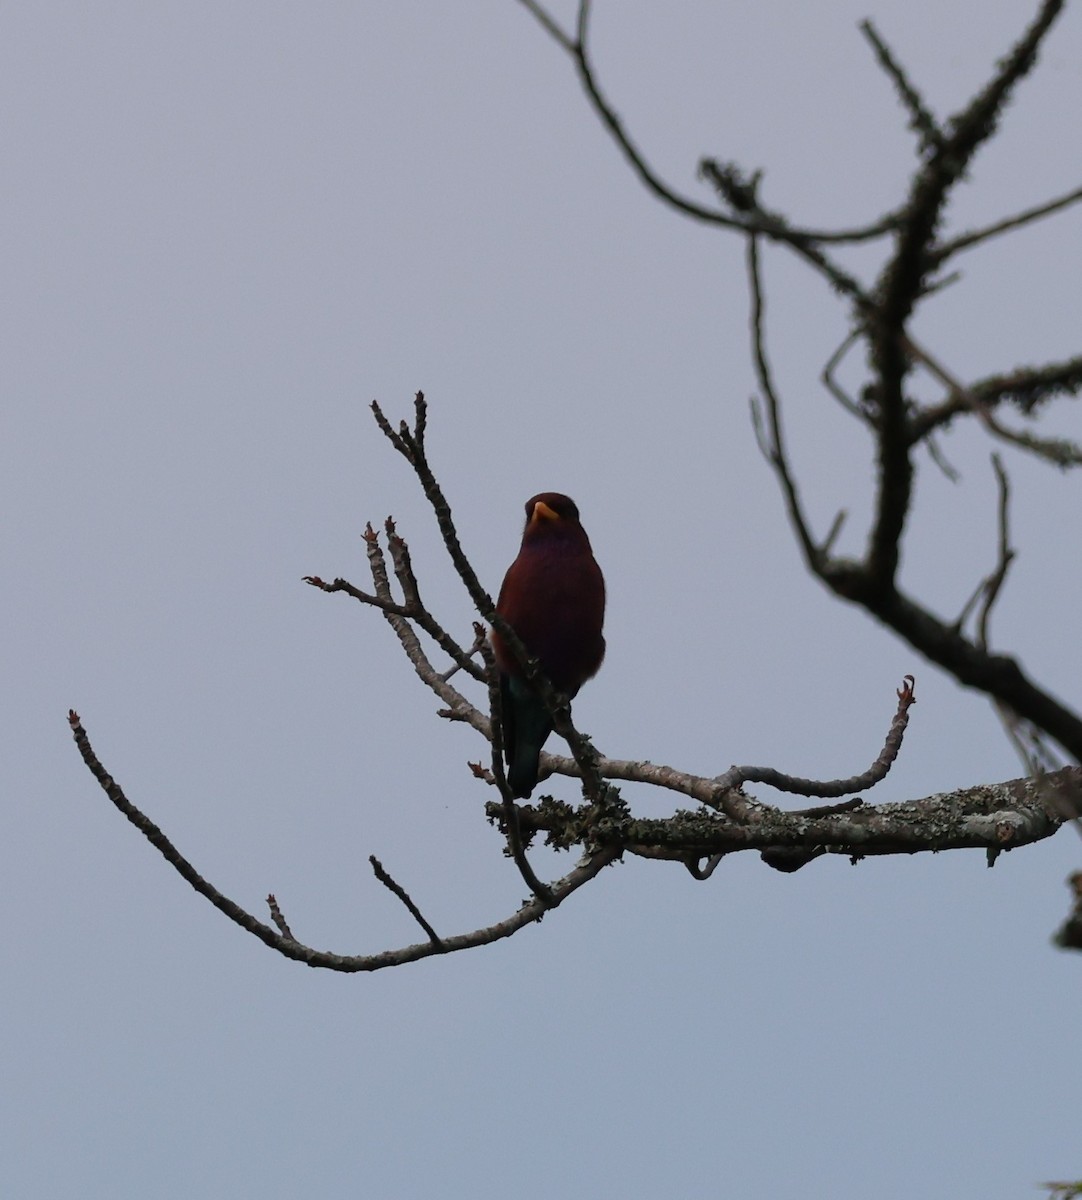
(551, 506)
(552, 520)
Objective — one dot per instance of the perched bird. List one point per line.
(553, 597)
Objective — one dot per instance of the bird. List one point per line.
(553, 597)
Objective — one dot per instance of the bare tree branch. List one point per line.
(965, 133)
(736, 777)
(278, 919)
(480, 640)
(769, 224)
(549, 25)
(391, 885)
(771, 438)
(903, 281)
(994, 583)
(977, 237)
(921, 121)
(740, 191)
(531, 911)
(1059, 451)
(399, 618)
(830, 382)
(1026, 388)
(1000, 817)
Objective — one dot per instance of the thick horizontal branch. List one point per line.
(993, 817)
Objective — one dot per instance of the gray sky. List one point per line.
(226, 229)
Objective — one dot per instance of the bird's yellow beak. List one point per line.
(541, 511)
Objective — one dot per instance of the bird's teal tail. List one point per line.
(526, 726)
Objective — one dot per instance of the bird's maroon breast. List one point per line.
(554, 598)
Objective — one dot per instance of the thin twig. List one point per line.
(935, 453)
(703, 873)
(994, 584)
(1028, 748)
(163, 845)
(413, 610)
(400, 618)
(403, 565)
(404, 614)
(410, 444)
(969, 606)
(1025, 388)
(403, 895)
(736, 776)
(986, 592)
(759, 221)
(975, 237)
(738, 189)
(1059, 451)
(278, 919)
(826, 547)
(549, 25)
(921, 120)
(581, 55)
(478, 641)
(772, 440)
(834, 387)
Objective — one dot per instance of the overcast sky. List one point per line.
(226, 229)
